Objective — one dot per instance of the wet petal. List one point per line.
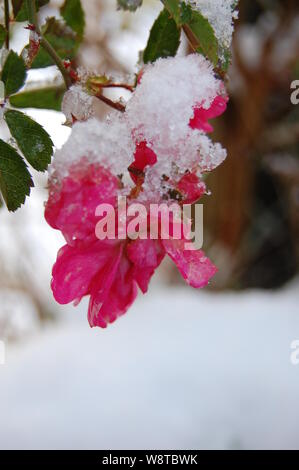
(146, 256)
(193, 265)
(71, 207)
(201, 115)
(191, 187)
(75, 269)
(113, 293)
(144, 156)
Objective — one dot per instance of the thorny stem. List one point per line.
(46, 45)
(52, 53)
(7, 21)
(118, 106)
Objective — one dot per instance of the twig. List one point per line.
(125, 86)
(7, 22)
(52, 53)
(118, 106)
(46, 45)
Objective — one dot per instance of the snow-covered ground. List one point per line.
(181, 370)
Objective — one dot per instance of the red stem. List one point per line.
(118, 106)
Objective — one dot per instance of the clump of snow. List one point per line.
(77, 104)
(159, 112)
(106, 142)
(210, 155)
(197, 154)
(221, 15)
(162, 105)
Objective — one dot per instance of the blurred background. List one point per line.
(183, 369)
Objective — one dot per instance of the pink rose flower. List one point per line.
(108, 271)
(201, 116)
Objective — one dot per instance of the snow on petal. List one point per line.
(160, 142)
(108, 143)
(162, 105)
(201, 115)
(143, 157)
(191, 188)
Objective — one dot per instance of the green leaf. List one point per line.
(20, 8)
(17, 6)
(43, 98)
(130, 5)
(173, 7)
(62, 38)
(186, 13)
(73, 14)
(204, 37)
(164, 38)
(2, 35)
(32, 139)
(13, 73)
(15, 179)
(197, 28)
(226, 53)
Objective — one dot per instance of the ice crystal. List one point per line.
(77, 104)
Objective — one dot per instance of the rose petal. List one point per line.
(75, 268)
(191, 187)
(112, 294)
(146, 255)
(71, 208)
(193, 265)
(144, 156)
(201, 115)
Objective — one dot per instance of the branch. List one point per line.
(118, 106)
(119, 85)
(46, 45)
(7, 21)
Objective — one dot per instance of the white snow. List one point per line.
(182, 370)
(162, 105)
(107, 142)
(221, 15)
(77, 104)
(159, 112)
